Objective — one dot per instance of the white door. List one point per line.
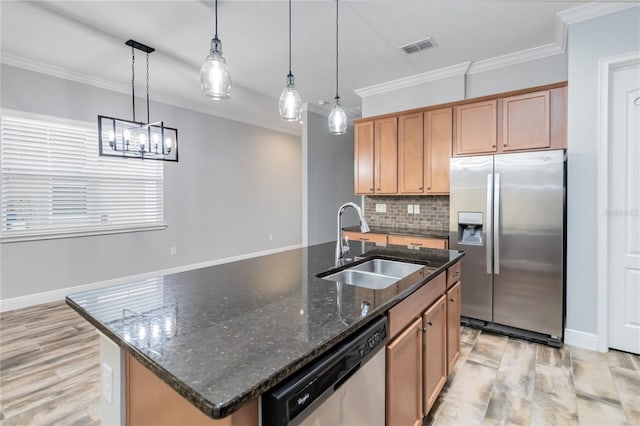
(624, 208)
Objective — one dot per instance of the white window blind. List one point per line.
(54, 183)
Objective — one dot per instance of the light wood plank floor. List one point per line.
(49, 374)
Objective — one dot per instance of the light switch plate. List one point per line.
(381, 208)
(416, 209)
(107, 383)
(410, 208)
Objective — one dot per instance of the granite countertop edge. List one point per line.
(222, 410)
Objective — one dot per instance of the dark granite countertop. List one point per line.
(392, 230)
(221, 336)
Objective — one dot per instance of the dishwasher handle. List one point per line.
(346, 376)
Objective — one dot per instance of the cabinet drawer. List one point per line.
(453, 274)
(368, 237)
(406, 240)
(414, 305)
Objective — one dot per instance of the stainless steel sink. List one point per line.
(362, 279)
(376, 274)
(388, 267)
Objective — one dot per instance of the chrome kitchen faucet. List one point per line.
(342, 249)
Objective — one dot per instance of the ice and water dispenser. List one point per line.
(470, 228)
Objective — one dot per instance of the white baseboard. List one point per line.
(60, 294)
(581, 339)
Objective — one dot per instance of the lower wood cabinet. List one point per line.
(404, 377)
(368, 237)
(453, 326)
(434, 352)
(406, 240)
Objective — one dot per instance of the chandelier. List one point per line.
(119, 137)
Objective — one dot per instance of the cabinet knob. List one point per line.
(493, 146)
(420, 188)
(504, 145)
(424, 330)
(452, 300)
(429, 323)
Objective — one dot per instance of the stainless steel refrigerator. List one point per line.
(508, 214)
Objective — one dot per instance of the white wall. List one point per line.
(234, 185)
(588, 42)
(328, 161)
(552, 69)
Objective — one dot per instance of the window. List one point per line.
(54, 183)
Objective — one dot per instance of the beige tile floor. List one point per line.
(49, 376)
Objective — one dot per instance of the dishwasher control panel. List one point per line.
(290, 401)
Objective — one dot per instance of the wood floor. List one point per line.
(49, 376)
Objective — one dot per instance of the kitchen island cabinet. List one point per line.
(215, 339)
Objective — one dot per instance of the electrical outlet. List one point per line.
(173, 251)
(381, 208)
(270, 237)
(416, 209)
(410, 208)
(107, 383)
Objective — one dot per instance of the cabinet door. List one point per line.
(476, 128)
(438, 133)
(363, 158)
(434, 352)
(404, 377)
(386, 156)
(525, 122)
(453, 326)
(411, 165)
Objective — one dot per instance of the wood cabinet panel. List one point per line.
(438, 140)
(406, 240)
(150, 401)
(558, 113)
(404, 377)
(434, 352)
(453, 326)
(526, 122)
(411, 158)
(368, 237)
(453, 274)
(476, 128)
(413, 306)
(386, 156)
(364, 158)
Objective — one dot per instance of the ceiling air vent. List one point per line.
(417, 46)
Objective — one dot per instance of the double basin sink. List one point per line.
(376, 274)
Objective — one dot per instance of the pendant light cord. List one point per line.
(216, 20)
(337, 96)
(290, 38)
(133, 82)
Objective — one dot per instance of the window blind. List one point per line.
(54, 182)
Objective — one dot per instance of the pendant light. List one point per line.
(337, 116)
(215, 78)
(290, 103)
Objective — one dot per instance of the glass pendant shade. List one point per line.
(337, 119)
(215, 78)
(290, 101)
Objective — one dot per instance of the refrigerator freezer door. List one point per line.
(471, 182)
(528, 229)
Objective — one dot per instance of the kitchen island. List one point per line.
(223, 335)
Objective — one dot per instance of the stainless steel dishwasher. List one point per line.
(346, 386)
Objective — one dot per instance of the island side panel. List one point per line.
(150, 401)
(112, 391)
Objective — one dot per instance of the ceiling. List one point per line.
(86, 38)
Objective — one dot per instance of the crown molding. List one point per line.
(514, 58)
(67, 74)
(593, 10)
(413, 80)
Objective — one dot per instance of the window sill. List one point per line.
(75, 234)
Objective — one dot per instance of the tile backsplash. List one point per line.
(433, 216)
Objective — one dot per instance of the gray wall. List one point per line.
(329, 184)
(588, 42)
(538, 72)
(234, 185)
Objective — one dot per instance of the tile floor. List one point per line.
(49, 375)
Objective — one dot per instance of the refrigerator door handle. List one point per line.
(496, 226)
(489, 234)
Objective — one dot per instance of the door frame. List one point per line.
(605, 68)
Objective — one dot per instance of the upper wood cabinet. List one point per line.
(476, 128)
(525, 121)
(438, 135)
(386, 156)
(411, 158)
(364, 158)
